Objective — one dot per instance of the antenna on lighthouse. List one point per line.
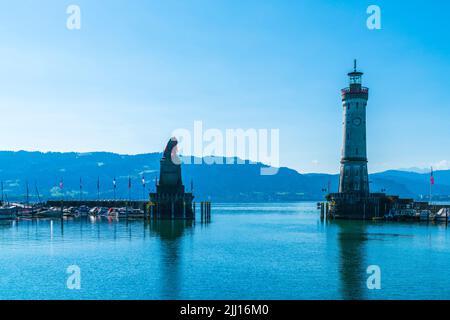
(354, 65)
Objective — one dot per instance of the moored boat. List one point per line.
(133, 213)
(93, 212)
(8, 213)
(26, 212)
(443, 215)
(426, 215)
(402, 214)
(82, 211)
(70, 213)
(113, 212)
(103, 212)
(50, 213)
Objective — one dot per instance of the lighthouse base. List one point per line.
(351, 206)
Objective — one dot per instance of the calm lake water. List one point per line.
(248, 251)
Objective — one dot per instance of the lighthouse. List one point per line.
(353, 173)
(354, 200)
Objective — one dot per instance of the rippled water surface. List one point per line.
(251, 251)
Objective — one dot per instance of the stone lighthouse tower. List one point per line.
(353, 175)
(354, 201)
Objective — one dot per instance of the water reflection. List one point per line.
(352, 239)
(171, 234)
(4, 224)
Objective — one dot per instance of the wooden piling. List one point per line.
(322, 211)
(210, 211)
(201, 211)
(205, 211)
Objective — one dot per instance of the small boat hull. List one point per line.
(49, 214)
(8, 213)
(443, 215)
(7, 216)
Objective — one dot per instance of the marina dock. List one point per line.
(169, 202)
(391, 209)
(61, 209)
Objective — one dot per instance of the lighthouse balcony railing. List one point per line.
(360, 90)
(342, 196)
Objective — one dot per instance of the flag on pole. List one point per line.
(129, 190)
(98, 188)
(81, 189)
(61, 184)
(114, 187)
(432, 177)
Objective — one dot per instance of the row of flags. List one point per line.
(61, 183)
(114, 182)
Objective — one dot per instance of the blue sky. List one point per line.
(137, 70)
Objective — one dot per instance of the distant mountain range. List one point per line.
(43, 172)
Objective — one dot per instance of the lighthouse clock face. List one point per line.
(357, 122)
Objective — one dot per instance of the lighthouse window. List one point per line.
(357, 105)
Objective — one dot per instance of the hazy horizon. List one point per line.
(410, 169)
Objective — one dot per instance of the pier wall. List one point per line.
(376, 205)
(98, 203)
(355, 207)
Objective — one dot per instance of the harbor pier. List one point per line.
(98, 203)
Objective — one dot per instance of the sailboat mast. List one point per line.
(28, 195)
(431, 183)
(37, 192)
